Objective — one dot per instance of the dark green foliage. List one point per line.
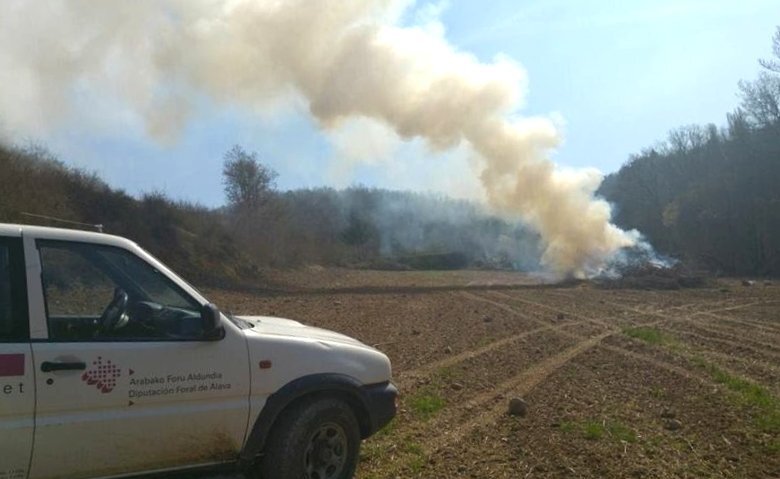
(436, 261)
(711, 196)
(248, 183)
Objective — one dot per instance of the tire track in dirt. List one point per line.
(734, 344)
(658, 314)
(673, 318)
(615, 349)
(757, 371)
(411, 374)
(522, 384)
(513, 310)
(729, 333)
(745, 305)
(526, 381)
(667, 318)
(767, 328)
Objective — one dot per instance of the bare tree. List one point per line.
(248, 183)
(761, 97)
(773, 65)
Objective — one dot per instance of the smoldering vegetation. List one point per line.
(376, 228)
(262, 227)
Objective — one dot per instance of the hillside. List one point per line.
(710, 196)
(189, 238)
(356, 227)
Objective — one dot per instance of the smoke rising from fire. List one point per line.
(342, 59)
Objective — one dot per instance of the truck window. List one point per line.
(74, 287)
(13, 298)
(96, 292)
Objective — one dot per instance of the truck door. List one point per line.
(17, 385)
(127, 381)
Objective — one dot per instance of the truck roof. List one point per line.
(66, 234)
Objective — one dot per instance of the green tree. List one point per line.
(248, 183)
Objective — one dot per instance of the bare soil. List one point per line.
(618, 382)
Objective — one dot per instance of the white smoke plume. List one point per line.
(343, 59)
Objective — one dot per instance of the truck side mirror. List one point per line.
(212, 324)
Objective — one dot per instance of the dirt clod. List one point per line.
(673, 424)
(517, 407)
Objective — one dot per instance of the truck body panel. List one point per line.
(88, 393)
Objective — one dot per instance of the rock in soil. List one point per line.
(517, 407)
(448, 350)
(456, 386)
(672, 424)
(748, 282)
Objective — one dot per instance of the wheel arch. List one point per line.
(341, 386)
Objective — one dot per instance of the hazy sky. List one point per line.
(616, 74)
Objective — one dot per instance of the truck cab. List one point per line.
(111, 365)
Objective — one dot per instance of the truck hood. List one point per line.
(270, 325)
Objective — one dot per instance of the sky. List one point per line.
(615, 75)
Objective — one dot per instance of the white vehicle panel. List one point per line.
(165, 404)
(17, 407)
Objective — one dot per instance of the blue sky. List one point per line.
(619, 74)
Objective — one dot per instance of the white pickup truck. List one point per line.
(113, 366)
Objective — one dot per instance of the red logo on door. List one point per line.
(11, 365)
(102, 375)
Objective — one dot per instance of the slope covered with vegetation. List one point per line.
(709, 195)
(189, 238)
(262, 227)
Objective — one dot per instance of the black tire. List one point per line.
(316, 438)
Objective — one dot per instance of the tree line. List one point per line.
(262, 227)
(710, 195)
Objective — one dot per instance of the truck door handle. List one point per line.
(48, 366)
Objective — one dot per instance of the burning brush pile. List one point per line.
(653, 275)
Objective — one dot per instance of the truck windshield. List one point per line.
(134, 274)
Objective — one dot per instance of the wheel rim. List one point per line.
(326, 453)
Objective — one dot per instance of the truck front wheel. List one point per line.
(315, 439)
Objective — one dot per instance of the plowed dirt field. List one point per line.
(618, 383)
